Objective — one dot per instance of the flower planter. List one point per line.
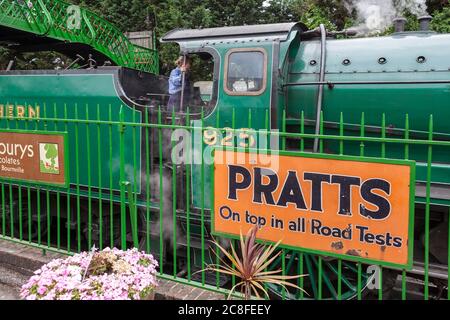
(111, 274)
(150, 296)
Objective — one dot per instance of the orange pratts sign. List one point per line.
(348, 207)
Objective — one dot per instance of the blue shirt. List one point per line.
(175, 80)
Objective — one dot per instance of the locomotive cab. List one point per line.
(247, 64)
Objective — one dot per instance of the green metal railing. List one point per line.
(56, 19)
(70, 220)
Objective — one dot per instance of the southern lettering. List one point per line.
(19, 111)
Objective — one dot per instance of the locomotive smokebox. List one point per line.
(399, 24)
(424, 22)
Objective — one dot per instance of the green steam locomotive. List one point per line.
(274, 77)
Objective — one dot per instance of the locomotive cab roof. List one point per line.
(279, 31)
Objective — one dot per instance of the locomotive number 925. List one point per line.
(245, 138)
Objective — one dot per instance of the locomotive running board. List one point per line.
(440, 192)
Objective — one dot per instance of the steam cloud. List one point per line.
(374, 16)
(167, 210)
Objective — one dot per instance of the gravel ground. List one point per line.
(10, 283)
(8, 293)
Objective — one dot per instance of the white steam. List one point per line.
(167, 207)
(374, 16)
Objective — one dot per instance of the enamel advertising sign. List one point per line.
(37, 157)
(359, 209)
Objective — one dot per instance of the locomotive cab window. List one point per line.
(199, 88)
(245, 72)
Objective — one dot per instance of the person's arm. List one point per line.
(176, 77)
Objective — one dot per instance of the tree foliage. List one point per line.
(332, 13)
(441, 20)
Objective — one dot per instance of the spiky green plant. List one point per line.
(251, 266)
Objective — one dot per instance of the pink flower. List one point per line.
(65, 278)
(41, 290)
